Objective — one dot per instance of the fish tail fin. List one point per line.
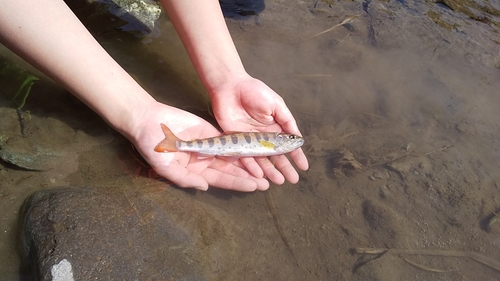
(168, 144)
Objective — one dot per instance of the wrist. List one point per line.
(217, 85)
(128, 115)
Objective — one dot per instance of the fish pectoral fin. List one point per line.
(267, 144)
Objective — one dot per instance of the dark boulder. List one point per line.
(103, 234)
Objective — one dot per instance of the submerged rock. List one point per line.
(104, 234)
(31, 156)
(241, 8)
(49, 143)
(146, 12)
(33, 152)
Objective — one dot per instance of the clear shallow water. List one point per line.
(402, 138)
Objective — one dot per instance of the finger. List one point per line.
(262, 184)
(285, 167)
(300, 159)
(226, 181)
(284, 117)
(270, 171)
(252, 166)
(226, 175)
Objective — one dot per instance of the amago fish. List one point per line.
(236, 144)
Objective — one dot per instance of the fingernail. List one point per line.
(202, 188)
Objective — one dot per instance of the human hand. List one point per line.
(183, 168)
(247, 104)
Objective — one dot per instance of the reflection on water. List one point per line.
(402, 138)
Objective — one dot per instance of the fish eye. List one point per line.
(292, 137)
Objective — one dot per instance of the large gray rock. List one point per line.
(104, 234)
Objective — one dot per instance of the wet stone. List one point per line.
(30, 156)
(48, 143)
(103, 234)
(241, 8)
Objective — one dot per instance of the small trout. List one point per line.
(236, 144)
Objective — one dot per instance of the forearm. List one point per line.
(48, 35)
(203, 31)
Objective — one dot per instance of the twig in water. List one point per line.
(312, 75)
(274, 213)
(346, 21)
(419, 266)
(494, 264)
(22, 121)
(343, 38)
(440, 149)
(415, 155)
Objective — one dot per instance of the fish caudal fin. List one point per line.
(168, 144)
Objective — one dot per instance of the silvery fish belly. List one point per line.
(243, 144)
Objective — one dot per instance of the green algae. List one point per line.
(437, 19)
(16, 83)
(482, 13)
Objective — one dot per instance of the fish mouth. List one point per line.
(299, 143)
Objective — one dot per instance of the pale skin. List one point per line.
(48, 35)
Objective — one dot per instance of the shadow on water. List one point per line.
(399, 115)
